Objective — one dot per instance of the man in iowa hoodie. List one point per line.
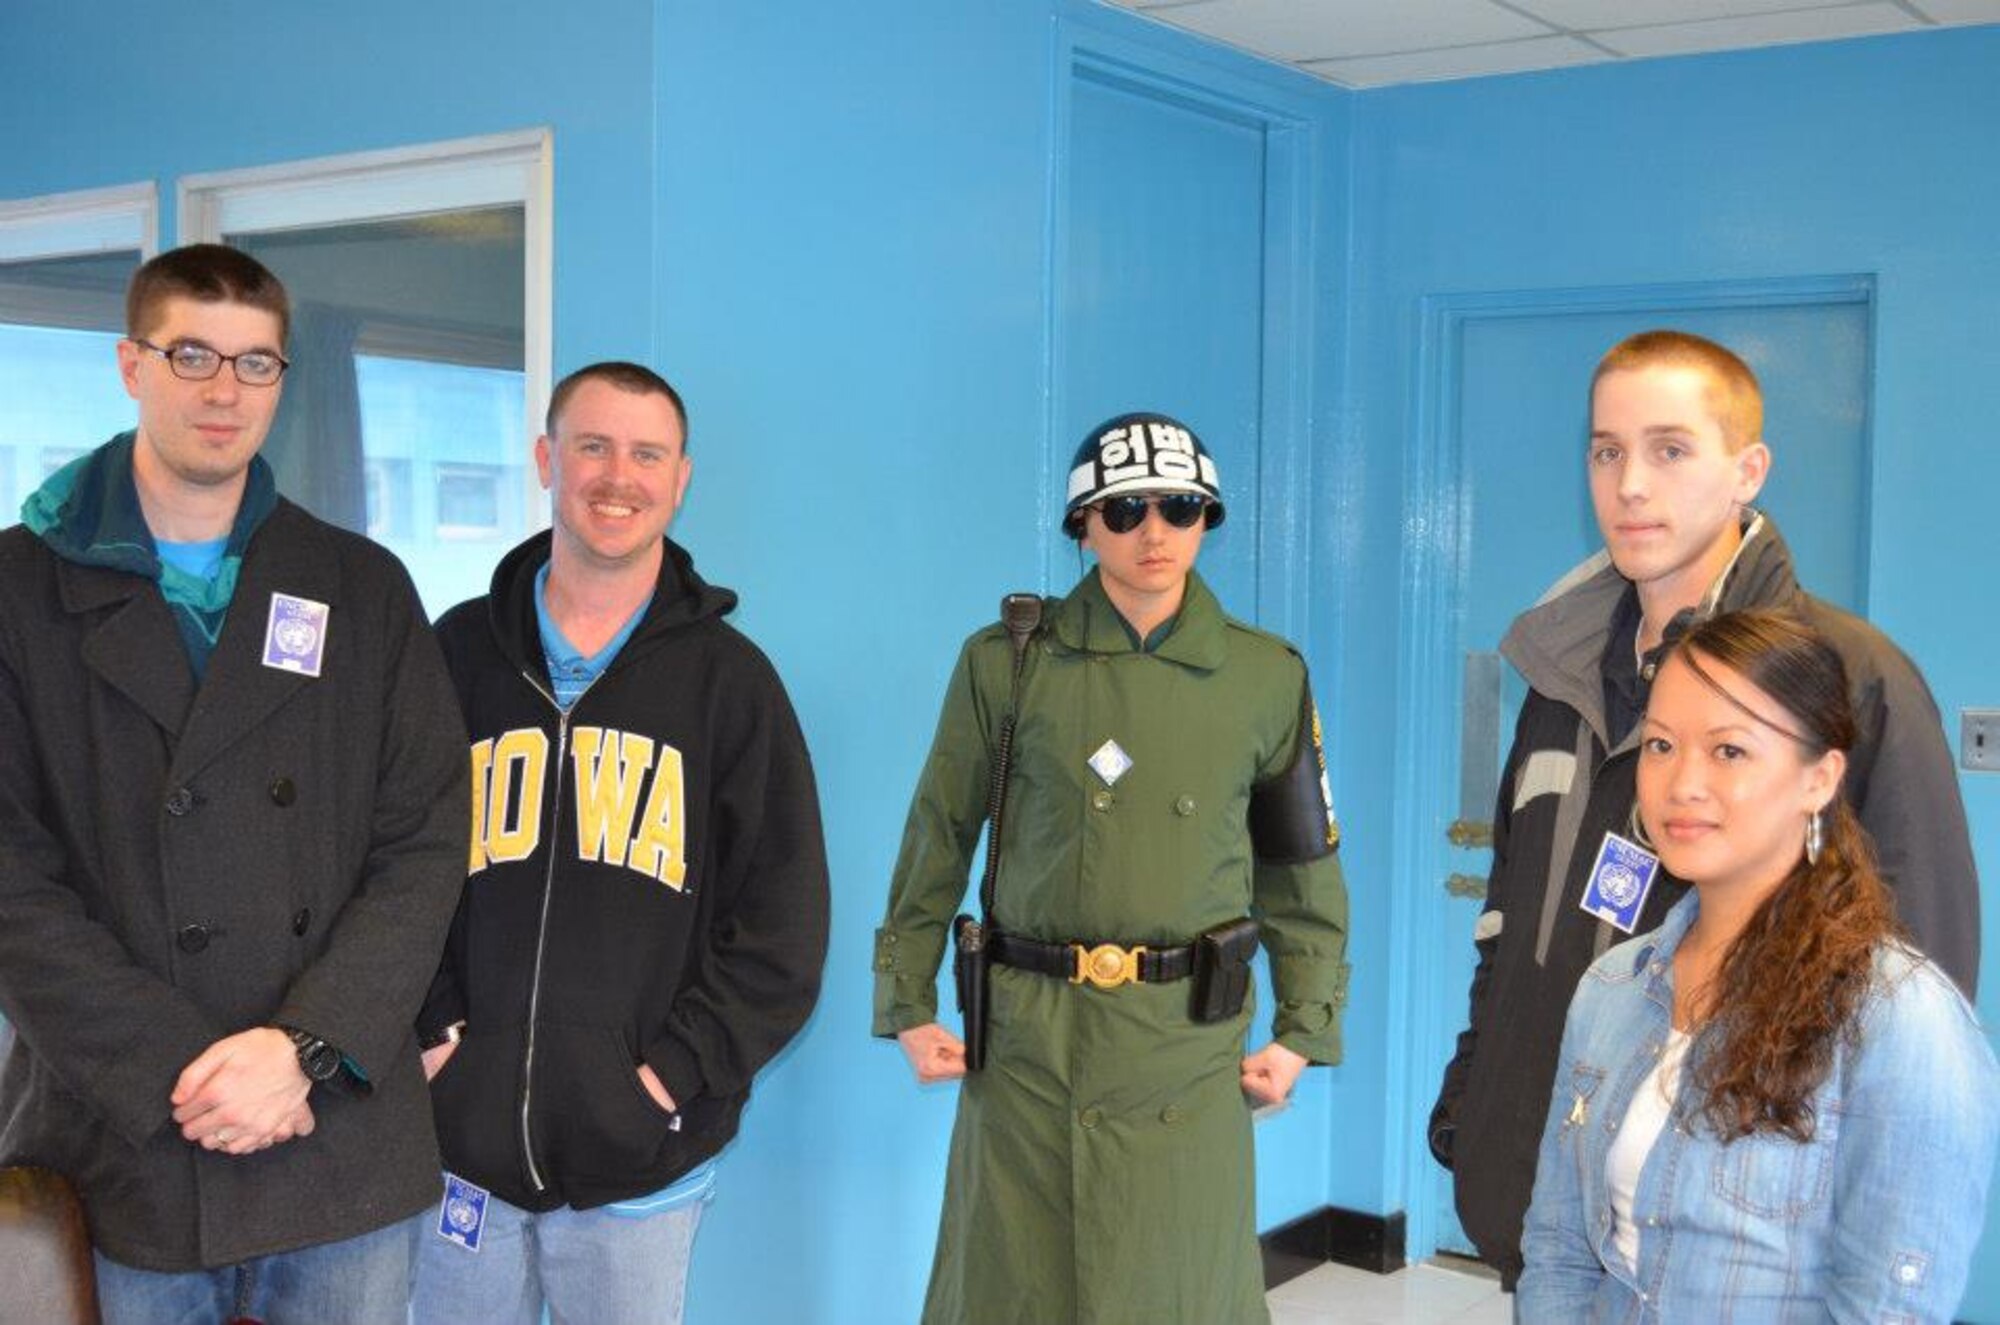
(645, 914)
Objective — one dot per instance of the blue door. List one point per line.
(1179, 288)
(1160, 306)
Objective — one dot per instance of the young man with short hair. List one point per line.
(1166, 809)
(645, 919)
(232, 809)
(1676, 455)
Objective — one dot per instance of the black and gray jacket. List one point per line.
(1566, 785)
(647, 884)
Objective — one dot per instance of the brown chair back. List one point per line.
(46, 1273)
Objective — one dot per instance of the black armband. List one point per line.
(1291, 821)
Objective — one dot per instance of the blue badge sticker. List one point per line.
(295, 634)
(463, 1213)
(1619, 882)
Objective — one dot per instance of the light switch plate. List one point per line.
(1979, 740)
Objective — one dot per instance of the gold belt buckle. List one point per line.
(1107, 965)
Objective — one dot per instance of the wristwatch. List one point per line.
(317, 1059)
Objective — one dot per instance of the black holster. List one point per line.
(971, 967)
(1222, 970)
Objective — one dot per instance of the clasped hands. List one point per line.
(244, 1093)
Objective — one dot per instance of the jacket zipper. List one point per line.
(542, 930)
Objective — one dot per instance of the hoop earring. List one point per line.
(1815, 838)
(1635, 829)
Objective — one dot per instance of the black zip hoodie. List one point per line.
(647, 884)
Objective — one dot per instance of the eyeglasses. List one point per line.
(192, 361)
(1122, 515)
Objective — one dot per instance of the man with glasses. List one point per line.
(645, 920)
(1164, 808)
(232, 830)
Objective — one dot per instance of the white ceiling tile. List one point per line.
(1586, 15)
(1511, 57)
(1759, 30)
(1960, 11)
(1325, 29)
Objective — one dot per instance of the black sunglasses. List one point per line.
(1122, 515)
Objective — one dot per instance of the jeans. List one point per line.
(590, 1267)
(358, 1281)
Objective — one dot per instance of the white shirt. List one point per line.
(1644, 1121)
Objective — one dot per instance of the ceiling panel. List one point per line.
(1511, 57)
(1959, 11)
(1588, 15)
(1371, 43)
(1322, 29)
(1760, 30)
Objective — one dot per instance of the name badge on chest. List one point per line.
(1619, 882)
(295, 634)
(463, 1214)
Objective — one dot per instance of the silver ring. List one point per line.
(224, 1136)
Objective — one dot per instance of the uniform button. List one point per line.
(1184, 806)
(283, 792)
(1102, 801)
(180, 801)
(1171, 1114)
(885, 963)
(1091, 1116)
(192, 939)
(889, 939)
(302, 921)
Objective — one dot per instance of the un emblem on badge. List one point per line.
(463, 1214)
(1619, 881)
(295, 634)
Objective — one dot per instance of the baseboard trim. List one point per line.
(1346, 1237)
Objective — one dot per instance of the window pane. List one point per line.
(60, 320)
(403, 415)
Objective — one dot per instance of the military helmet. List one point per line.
(1140, 453)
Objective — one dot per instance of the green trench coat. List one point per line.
(1101, 1165)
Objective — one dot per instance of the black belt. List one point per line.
(1106, 965)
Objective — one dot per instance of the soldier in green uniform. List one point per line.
(1166, 807)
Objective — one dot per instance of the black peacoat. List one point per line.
(180, 863)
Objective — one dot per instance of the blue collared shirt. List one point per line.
(1874, 1219)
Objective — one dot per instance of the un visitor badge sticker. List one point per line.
(295, 634)
(1110, 762)
(463, 1214)
(1619, 881)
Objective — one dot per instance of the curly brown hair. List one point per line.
(1790, 987)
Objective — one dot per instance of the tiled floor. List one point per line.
(1417, 1295)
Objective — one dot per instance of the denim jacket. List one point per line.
(1873, 1220)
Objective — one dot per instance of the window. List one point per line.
(468, 501)
(419, 344)
(64, 264)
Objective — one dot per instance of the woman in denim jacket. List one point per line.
(1771, 1109)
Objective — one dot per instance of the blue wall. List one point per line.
(829, 222)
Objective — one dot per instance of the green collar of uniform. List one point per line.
(1088, 623)
(88, 512)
